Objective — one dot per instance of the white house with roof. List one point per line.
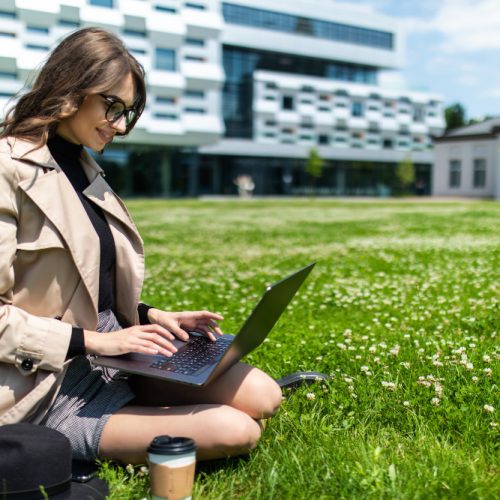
(467, 161)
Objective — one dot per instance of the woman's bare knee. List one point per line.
(262, 395)
(234, 432)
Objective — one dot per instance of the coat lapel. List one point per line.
(54, 195)
(56, 198)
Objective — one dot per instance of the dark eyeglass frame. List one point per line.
(131, 114)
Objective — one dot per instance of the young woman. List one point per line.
(71, 272)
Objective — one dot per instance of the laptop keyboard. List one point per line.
(199, 352)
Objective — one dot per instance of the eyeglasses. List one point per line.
(116, 109)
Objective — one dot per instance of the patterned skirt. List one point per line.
(87, 398)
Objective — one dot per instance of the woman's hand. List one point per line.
(145, 339)
(179, 323)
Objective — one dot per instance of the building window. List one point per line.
(357, 108)
(166, 116)
(195, 42)
(165, 59)
(102, 3)
(34, 46)
(419, 114)
(197, 6)
(7, 75)
(195, 94)
(387, 143)
(287, 23)
(162, 8)
(323, 139)
(8, 15)
(37, 30)
(134, 33)
(479, 177)
(66, 23)
(198, 111)
(455, 173)
(287, 102)
(165, 100)
(194, 58)
(6, 34)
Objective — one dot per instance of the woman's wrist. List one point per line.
(89, 338)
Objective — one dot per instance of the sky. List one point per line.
(452, 48)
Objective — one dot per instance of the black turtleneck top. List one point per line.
(67, 156)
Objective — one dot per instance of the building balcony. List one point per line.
(104, 17)
(404, 118)
(203, 125)
(266, 106)
(288, 118)
(172, 83)
(165, 29)
(342, 113)
(324, 119)
(389, 124)
(358, 123)
(202, 75)
(37, 13)
(27, 61)
(202, 23)
(306, 109)
(418, 128)
(135, 13)
(9, 51)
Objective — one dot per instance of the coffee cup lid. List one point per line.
(167, 445)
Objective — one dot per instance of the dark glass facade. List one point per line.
(240, 64)
(277, 21)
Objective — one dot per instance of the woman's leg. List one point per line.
(218, 430)
(242, 387)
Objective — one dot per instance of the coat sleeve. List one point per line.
(30, 342)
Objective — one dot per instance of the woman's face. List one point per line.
(89, 126)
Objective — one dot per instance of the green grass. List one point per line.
(402, 309)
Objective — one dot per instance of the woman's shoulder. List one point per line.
(18, 154)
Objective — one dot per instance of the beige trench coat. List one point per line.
(49, 272)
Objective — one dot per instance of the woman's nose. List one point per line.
(120, 125)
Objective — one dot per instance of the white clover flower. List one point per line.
(475, 379)
(486, 358)
(390, 386)
(437, 363)
(488, 372)
(405, 364)
(310, 396)
(488, 408)
(438, 388)
(372, 349)
(348, 380)
(493, 424)
(435, 401)
(365, 369)
(395, 350)
(469, 366)
(354, 396)
(341, 346)
(406, 403)
(129, 468)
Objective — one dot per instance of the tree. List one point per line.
(405, 173)
(454, 116)
(314, 164)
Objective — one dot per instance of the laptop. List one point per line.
(198, 360)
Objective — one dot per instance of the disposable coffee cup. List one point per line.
(172, 461)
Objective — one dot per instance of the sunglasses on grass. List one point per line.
(116, 109)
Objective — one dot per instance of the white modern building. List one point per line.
(245, 87)
(467, 161)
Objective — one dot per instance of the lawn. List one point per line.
(402, 310)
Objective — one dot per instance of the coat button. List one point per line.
(27, 364)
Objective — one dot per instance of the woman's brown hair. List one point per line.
(89, 61)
